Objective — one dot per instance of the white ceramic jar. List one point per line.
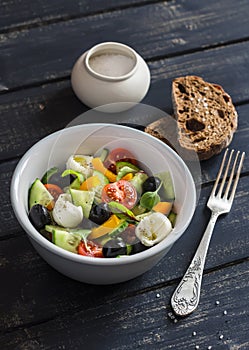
(110, 73)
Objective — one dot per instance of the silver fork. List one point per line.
(187, 295)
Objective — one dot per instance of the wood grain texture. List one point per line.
(40, 309)
(226, 66)
(142, 320)
(40, 293)
(16, 13)
(30, 114)
(33, 55)
(209, 170)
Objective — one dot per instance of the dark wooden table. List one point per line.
(40, 41)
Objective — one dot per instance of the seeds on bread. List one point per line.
(206, 117)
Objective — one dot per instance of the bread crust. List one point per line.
(165, 129)
(206, 117)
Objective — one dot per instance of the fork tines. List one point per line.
(231, 176)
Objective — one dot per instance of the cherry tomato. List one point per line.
(92, 249)
(55, 190)
(119, 155)
(122, 192)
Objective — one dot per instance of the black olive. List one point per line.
(99, 213)
(57, 179)
(151, 184)
(138, 247)
(62, 182)
(39, 216)
(133, 243)
(114, 247)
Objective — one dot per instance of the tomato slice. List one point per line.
(92, 249)
(55, 190)
(119, 155)
(122, 192)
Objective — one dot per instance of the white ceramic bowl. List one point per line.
(55, 150)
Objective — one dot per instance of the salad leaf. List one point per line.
(125, 170)
(112, 234)
(118, 208)
(121, 227)
(150, 199)
(84, 233)
(79, 176)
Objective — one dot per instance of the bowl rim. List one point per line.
(33, 234)
(110, 47)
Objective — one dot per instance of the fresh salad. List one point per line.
(105, 207)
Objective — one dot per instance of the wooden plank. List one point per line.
(29, 115)
(142, 320)
(210, 167)
(164, 29)
(9, 225)
(215, 65)
(209, 170)
(41, 309)
(40, 293)
(16, 13)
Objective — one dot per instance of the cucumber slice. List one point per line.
(84, 199)
(103, 179)
(120, 165)
(138, 180)
(104, 154)
(172, 218)
(168, 185)
(75, 184)
(48, 174)
(124, 171)
(38, 194)
(98, 194)
(66, 240)
(50, 228)
(98, 189)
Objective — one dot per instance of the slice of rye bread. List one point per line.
(206, 117)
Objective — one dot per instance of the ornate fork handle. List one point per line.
(187, 295)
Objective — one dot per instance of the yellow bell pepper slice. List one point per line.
(105, 228)
(98, 165)
(163, 207)
(127, 177)
(90, 183)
